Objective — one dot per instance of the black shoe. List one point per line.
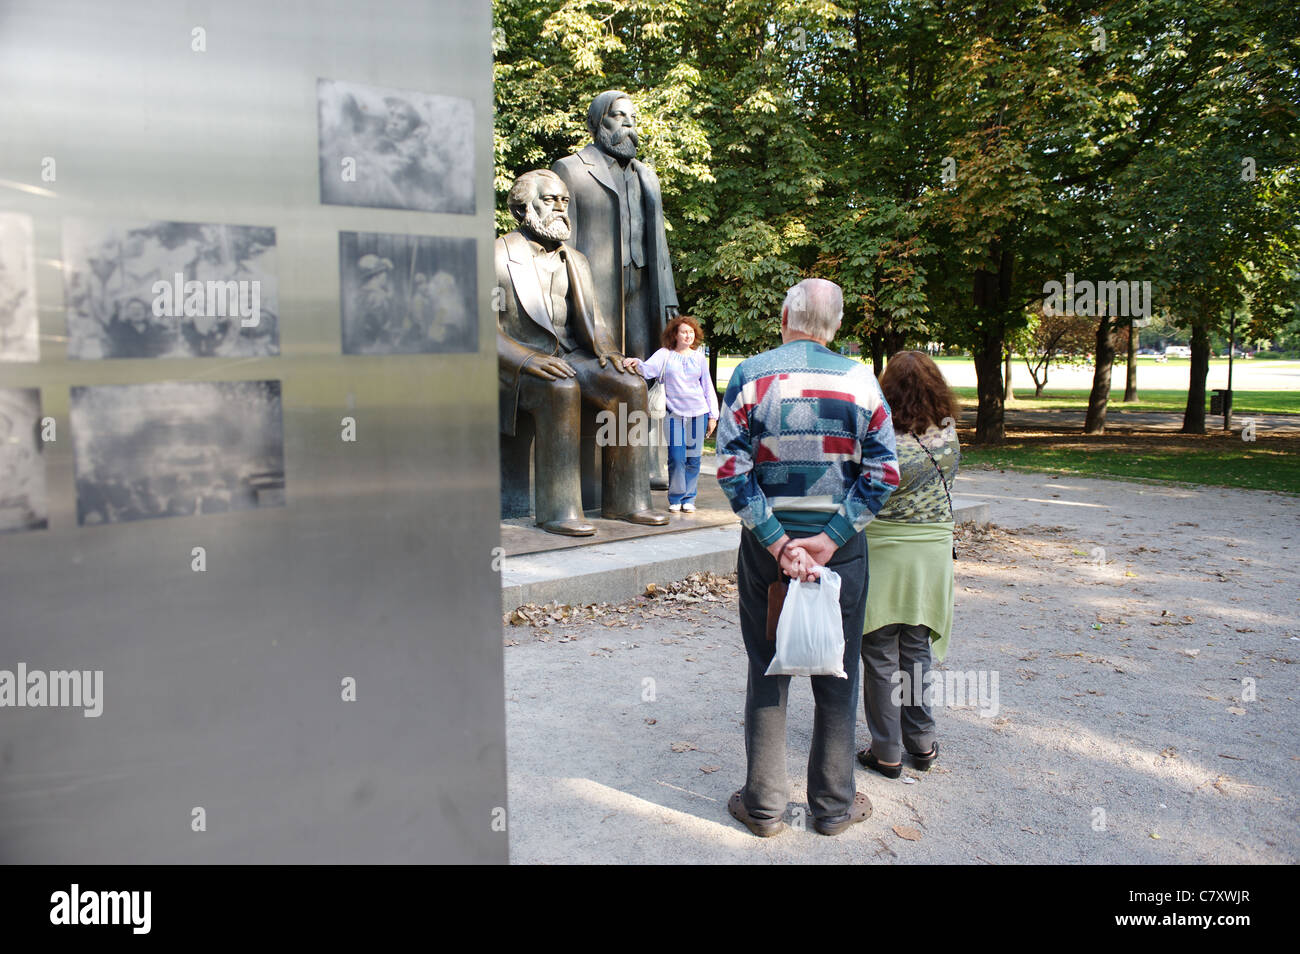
(867, 760)
(923, 762)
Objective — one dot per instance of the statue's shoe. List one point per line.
(658, 483)
(648, 518)
(569, 528)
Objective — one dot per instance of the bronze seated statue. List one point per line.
(555, 354)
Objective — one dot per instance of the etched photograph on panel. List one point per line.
(170, 290)
(395, 148)
(22, 464)
(407, 294)
(19, 330)
(176, 449)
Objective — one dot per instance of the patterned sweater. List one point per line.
(805, 443)
(920, 497)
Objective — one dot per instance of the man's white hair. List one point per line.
(815, 308)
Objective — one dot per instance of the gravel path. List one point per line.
(1125, 623)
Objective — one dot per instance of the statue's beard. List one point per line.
(618, 143)
(554, 227)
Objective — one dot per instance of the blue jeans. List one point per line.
(831, 760)
(685, 446)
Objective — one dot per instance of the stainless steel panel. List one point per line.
(222, 688)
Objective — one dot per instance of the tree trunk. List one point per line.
(1194, 415)
(992, 296)
(1007, 393)
(877, 341)
(990, 418)
(713, 370)
(894, 342)
(1131, 374)
(1099, 397)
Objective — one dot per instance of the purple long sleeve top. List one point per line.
(687, 388)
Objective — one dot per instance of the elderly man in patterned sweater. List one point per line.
(806, 456)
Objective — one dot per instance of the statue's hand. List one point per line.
(670, 312)
(612, 356)
(550, 368)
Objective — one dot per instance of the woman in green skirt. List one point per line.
(910, 560)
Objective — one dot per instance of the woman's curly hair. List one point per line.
(918, 395)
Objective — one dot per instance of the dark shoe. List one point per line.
(762, 827)
(658, 483)
(860, 811)
(867, 760)
(569, 528)
(647, 518)
(923, 762)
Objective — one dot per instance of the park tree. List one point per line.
(1213, 190)
(869, 72)
(1031, 104)
(1053, 338)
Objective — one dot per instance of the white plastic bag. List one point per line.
(810, 632)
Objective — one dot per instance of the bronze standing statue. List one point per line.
(554, 353)
(618, 224)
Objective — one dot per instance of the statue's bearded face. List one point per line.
(617, 134)
(547, 216)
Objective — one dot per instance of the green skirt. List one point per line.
(910, 578)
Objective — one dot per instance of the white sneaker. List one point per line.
(675, 508)
(688, 508)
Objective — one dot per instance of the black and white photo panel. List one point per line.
(395, 148)
(407, 294)
(176, 449)
(170, 290)
(22, 463)
(19, 330)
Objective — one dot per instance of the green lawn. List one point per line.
(1227, 462)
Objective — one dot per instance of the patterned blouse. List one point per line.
(920, 496)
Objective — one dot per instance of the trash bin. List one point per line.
(1221, 401)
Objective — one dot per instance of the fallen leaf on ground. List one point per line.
(685, 747)
(908, 834)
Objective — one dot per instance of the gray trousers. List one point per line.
(895, 659)
(830, 759)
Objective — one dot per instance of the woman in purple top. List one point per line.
(692, 403)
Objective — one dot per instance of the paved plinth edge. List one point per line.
(619, 570)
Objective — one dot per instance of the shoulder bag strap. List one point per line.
(951, 515)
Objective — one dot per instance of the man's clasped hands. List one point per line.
(798, 559)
